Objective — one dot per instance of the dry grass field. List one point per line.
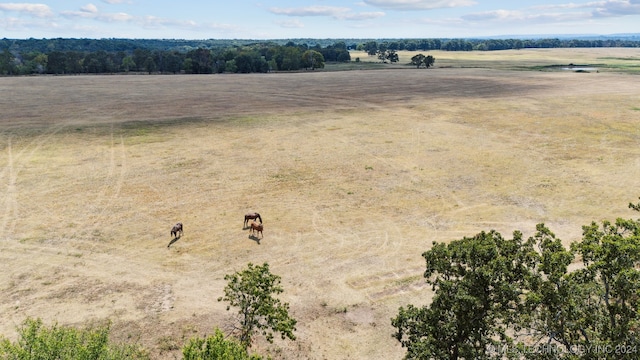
(355, 174)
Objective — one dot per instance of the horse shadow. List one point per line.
(255, 238)
(174, 240)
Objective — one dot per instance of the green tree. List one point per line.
(429, 61)
(312, 59)
(150, 65)
(478, 285)
(370, 47)
(37, 342)
(290, 58)
(128, 63)
(7, 62)
(252, 291)
(392, 56)
(215, 347)
(56, 62)
(417, 60)
(40, 61)
(492, 293)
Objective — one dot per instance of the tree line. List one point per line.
(262, 57)
(373, 46)
(414, 44)
(78, 56)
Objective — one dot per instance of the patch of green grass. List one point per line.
(353, 65)
(630, 58)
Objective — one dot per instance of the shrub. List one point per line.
(38, 342)
(215, 347)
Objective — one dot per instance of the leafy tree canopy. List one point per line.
(215, 347)
(501, 298)
(38, 342)
(252, 292)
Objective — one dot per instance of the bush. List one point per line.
(215, 347)
(37, 342)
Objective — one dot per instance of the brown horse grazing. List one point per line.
(251, 216)
(177, 228)
(257, 228)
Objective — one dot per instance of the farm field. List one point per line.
(355, 174)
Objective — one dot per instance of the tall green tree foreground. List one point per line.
(252, 291)
(497, 298)
(478, 284)
(37, 342)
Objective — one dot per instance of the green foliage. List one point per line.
(251, 291)
(478, 283)
(312, 59)
(417, 60)
(37, 342)
(429, 61)
(385, 54)
(497, 298)
(420, 59)
(216, 347)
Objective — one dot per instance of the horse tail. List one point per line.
(259, 217)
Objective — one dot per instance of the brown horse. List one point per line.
(257, 228)
(177, 228)
(251, 216)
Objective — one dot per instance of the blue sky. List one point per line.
(283, 19)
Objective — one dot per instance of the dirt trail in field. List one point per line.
(355, 175)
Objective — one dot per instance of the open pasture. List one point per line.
(354, 173)
(626, 60)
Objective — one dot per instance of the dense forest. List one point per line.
(171, 56)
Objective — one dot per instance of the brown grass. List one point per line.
(354, 173)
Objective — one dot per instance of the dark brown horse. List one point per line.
(251, 216)
(177, 228)
(257, 228)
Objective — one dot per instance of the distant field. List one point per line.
(355, 174)
(625, 60)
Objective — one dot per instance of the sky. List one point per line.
(319, 19)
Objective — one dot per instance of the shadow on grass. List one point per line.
(173, 241)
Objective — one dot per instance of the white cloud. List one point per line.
(419, 4)
(310, 11)
(562, 12)
(510, 16)
(37, 10)
(364, 16)
(90, 8)
(613, 8)
(90, 11)
(116, 17)
(291, 24)
(329, 11)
